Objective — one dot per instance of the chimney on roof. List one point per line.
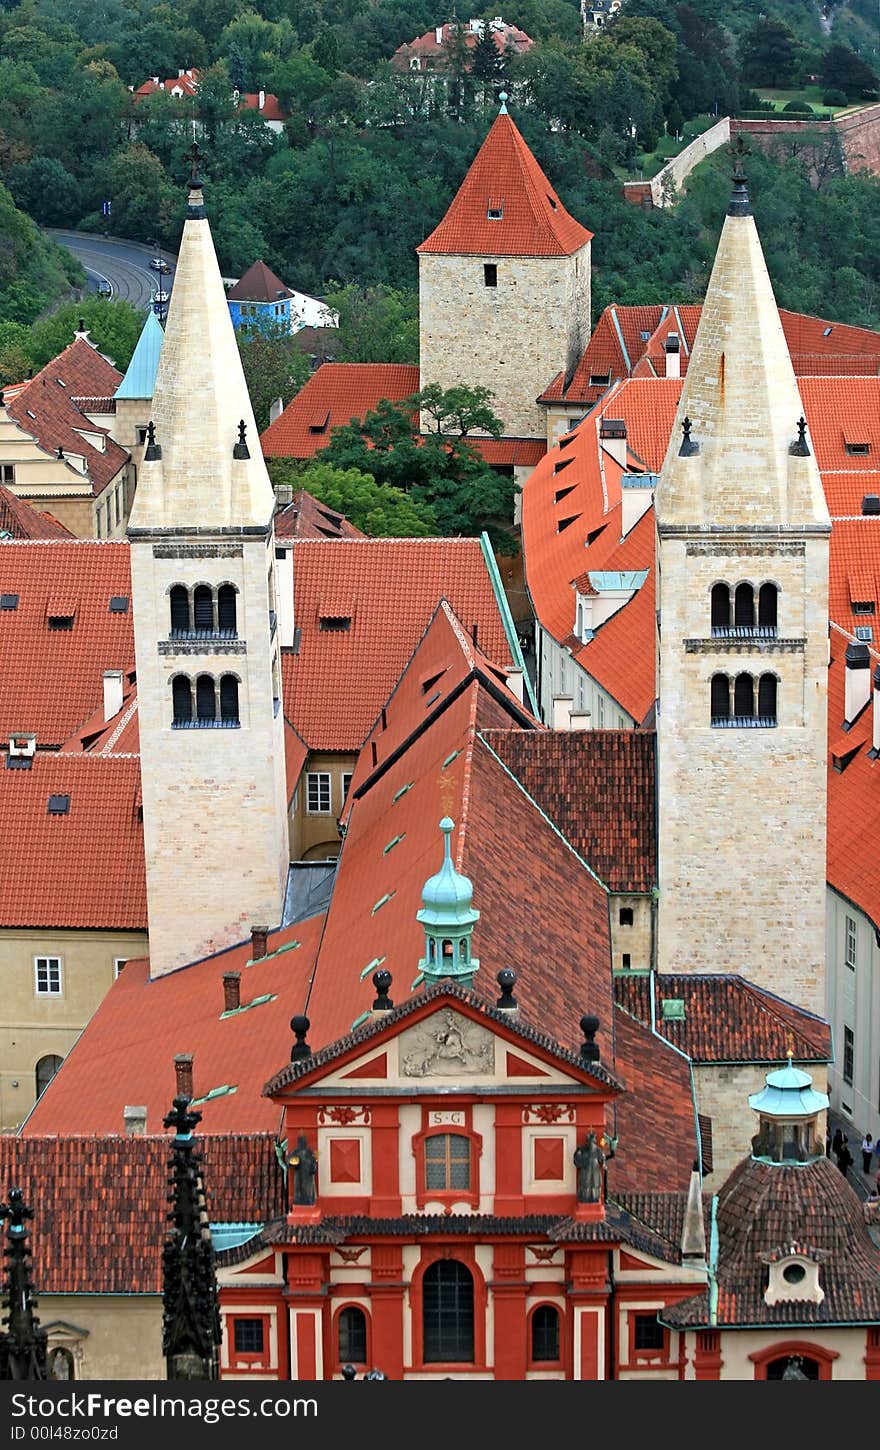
(261, 100)
(858, 681)
(612, 435)
(693, 1233)
(259, 942)
(382, 982)
(560, 717)
(135, 1120)
(24, 746)
(231, 991)
(506, 980)
(438, 35)
(636, 494)
(875, 741)
(589, 1046)
(183, 1072)
(112, 693)
(672, 349)
(276, 408)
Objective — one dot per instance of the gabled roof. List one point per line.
(427, 45)
(505, 176)
(337, 680)
(141, 1025)
(844, 415)
(140, 375)
(53, 678)
(19, 521)
(259, 284)
(100, 1202)
(853, 793)
(306, 517)
(80, 869)
(598, 787)
(119, 735)
(334, 395)
(726, 1018)
(45, 409)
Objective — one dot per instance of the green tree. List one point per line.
(273, 368)
(114, 328)
(843, 70)
(460, 410)
(377, 508)
(769, 52)
(15, 358)
(140, 191)
(46, 190)
(487, 62)
(325, 51)
(376, 324)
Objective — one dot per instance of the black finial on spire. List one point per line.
(382, 983)
(688, 446)
(82, 324)
(152, 452)
(739, 197)
(589, 1047)
(23, 1344)
(300, 1049)
(241, 449)
(195, 207)
(190, 1305)
(506, 980)
(800, 448)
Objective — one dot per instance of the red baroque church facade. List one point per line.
(438, 1222)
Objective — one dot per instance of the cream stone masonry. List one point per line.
(214, 794)
(512, 338)
(721, 1089)
(742, 811)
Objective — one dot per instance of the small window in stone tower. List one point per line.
(490, 274)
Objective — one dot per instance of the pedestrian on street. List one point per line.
(867, 1150)
(844, 1156)
(836, 1141)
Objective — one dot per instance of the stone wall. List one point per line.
(513, 338)
(670, 180)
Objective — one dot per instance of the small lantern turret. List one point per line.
(788, 1109)
(448, 917)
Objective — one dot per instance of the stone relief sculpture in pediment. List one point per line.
(447, 1045)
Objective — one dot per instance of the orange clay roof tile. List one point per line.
(333, 395)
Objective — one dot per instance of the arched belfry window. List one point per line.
(229, 699)
(226, 609)
(720, 698)
(448, 1313)
(768, 596)
(744, 606)
(754, 701)
(720, 607)
(743, 697)
(180, 610)
(206, 700)
(181, 695)
(767, 698)
(203, 609)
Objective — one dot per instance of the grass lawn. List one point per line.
(811, 94)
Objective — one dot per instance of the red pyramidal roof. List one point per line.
(506, 207)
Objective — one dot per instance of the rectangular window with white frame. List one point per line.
(346, 784)
(850, 956)
(318, 793)
(47, 976)
(118, 964)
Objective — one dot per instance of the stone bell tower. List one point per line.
(741, 727)
(206, 642)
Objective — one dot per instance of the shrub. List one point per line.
(798, 108)
(835, 98)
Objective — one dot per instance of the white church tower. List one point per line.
(208, 667)
(743, 591)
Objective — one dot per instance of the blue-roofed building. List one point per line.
(261, 301)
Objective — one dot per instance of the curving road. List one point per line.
(117, 263)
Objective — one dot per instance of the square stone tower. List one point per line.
(743, 534)
(504, 285)
(206, 643)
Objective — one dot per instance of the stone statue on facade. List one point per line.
(589, 1161)
(305, 1167)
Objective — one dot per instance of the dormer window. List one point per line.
(600, 380)
(863, 606)
(495, 211)
(793, 1277)
(60, 621)
(857, 449)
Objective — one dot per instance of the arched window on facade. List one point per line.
(793, 1367)
(767, 697)
(720, 607)
(229, 699)
(226, 609)
(768, 596)
(720, 697)
(203, 609)
(744, 606)
(545, 1333)
(206, 701)
(351, 1331)
(179, 610)
(448, 1313)
(181, 696)
(46, 1070)
(743, 697)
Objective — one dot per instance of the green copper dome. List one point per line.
(788, 1109)
(789, 1093)
(448, 918)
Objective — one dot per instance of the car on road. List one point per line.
(159, 264)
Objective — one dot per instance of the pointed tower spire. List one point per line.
(448, 916)
(191, 1318)
(693, 1234)
(22, 1342)
(198, 398)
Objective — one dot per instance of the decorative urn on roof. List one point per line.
(448, 917)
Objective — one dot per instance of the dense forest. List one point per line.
(370, 157)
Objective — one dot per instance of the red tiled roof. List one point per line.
(45, 409)
(509, 452)
(84, 868)
(726, 1018)
(141, 1025)
(504, 36)
(259, 284)
(853, 839)
(655, 1114)
(19, 521)
(337, 682)
(504, 174)
(100, 1202)
(119, 735)
(598, 788)
(188, 83)
(334, 395)
(271, 107)
(843, 411)
(53, 680)
(306, 517)
(854, 572)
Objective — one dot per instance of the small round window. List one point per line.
(794, 1273)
